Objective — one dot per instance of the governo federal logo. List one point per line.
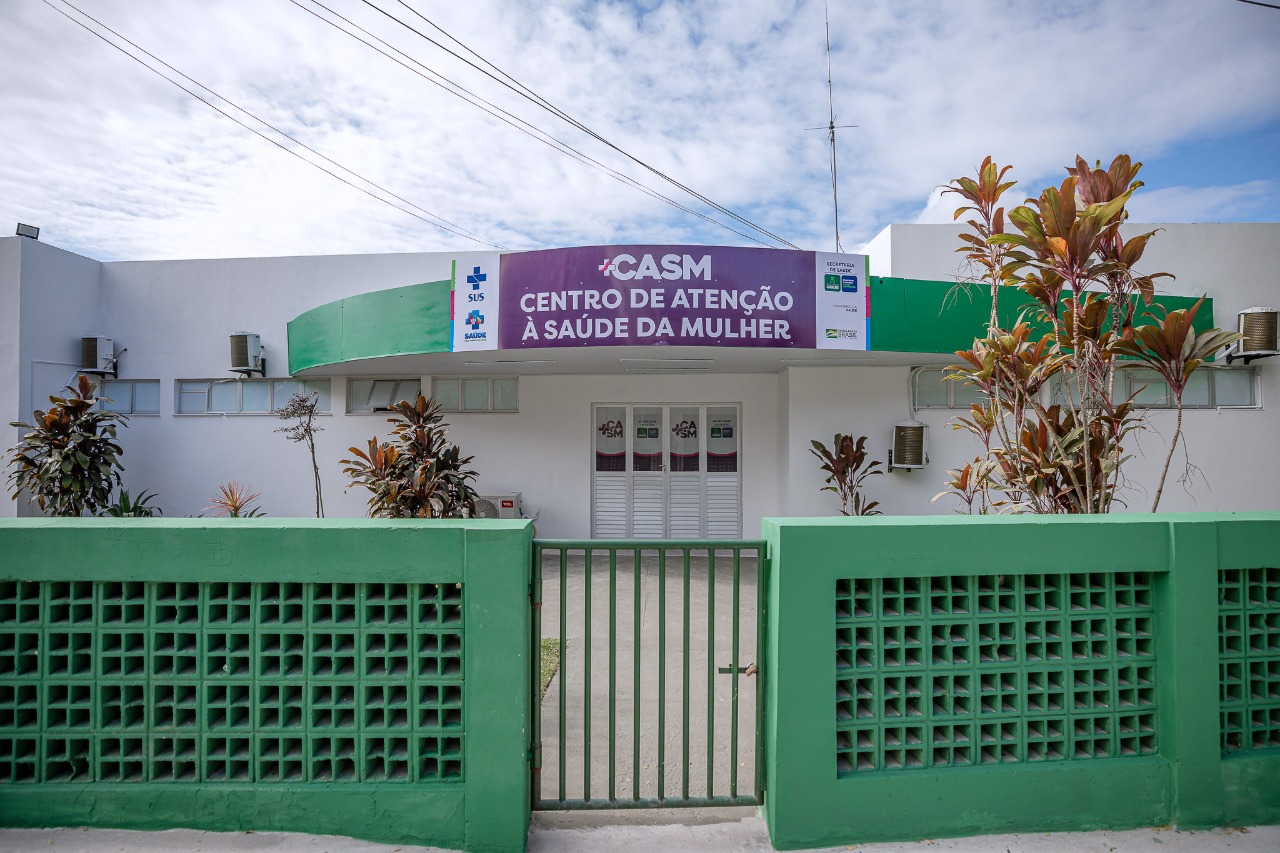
(672, 267)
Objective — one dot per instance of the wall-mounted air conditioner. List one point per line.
(247, 354)
(98, 356)
(910, 445)
(1257, 328)
(499, 506)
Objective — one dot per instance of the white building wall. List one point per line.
(174, 317)
(1237, 263)
(10, 354)
(54, 297)
(60, 302)
(1231, 451)
(544, 451)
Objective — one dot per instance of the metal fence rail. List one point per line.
(640, 628)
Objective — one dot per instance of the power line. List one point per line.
(466, 95)
(1256, 3)
(442, 223)
(526, 93)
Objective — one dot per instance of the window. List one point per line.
(1209, 388)
(929, 390)
(131, 396)
(477, 394)
(378, 395)
(244, 396)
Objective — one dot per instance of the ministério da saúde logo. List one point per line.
(475, 320)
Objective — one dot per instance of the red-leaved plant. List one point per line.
(1067, 253)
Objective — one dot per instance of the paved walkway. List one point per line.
(709, 617)
(712, 831)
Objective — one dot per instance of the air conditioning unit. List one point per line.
(1257, 328)
(98, 356)
(910, 445)
(246, 354)
(499, 506)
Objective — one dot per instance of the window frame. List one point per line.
(462, 401)
(100, 391)
(1131, 385)
(950, 384)
(373, 380)
(273, 406)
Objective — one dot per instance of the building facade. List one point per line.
(604, 430)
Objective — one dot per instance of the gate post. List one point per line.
(497, 666)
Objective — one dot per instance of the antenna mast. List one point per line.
(831, 127)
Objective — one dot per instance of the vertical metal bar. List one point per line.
(762, 581)
(535, 681)
(586, 690)
(711, 670)
(684, 694)
(662, 674)
(635, 693)
(613, 667)
(564, 655)
(733, 663)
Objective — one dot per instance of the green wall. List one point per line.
(1120, 612)
(359, 677)
(914, 315)
(401, 321)
(907, 315)
(924, 677)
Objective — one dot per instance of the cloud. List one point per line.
(116, 163)
(1203, 204)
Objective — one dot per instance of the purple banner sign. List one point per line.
(657, 295)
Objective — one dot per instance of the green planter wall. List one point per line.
(359, 677)
(954, 676)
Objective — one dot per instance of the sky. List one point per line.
(115, 163)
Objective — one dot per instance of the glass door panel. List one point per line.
(646, 446)
(685, 450)
(611, 438)
(722, 439)
(666, 471)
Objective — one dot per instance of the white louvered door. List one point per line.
(666, 472)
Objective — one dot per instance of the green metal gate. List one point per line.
(655, 688)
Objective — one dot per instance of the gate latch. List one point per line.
(749, 669)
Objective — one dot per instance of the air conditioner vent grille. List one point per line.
(506, 506)
(1258, 325)
(97, 354)
(908, 445)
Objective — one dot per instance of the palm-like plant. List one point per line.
(234, 500)
(419, 473)
(69, 461)
(847, 470)
(129, 506)
(1067, 253)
